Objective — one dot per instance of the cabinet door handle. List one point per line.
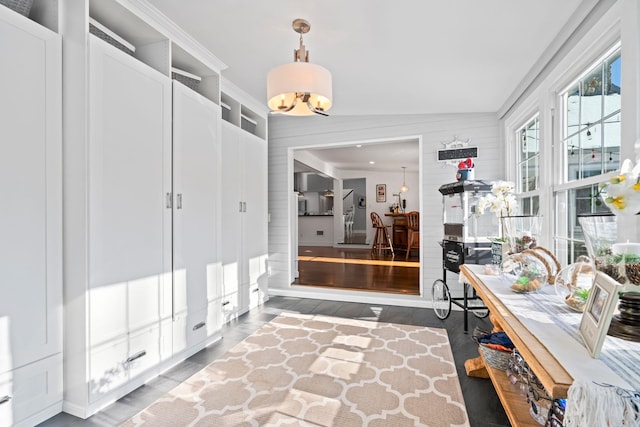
(255, 290)
(5, 399)
(240, 208)
(244, 206)
(169, 198)
(179, 201)
(199, 325)
(137, 356)
(226, 303)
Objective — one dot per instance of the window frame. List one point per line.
(529, 195)
(560, 200)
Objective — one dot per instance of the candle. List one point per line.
(626, 248)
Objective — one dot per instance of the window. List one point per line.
(528, 158)
(591, 135)
(590, 147)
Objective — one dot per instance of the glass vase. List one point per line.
(621, 261)
(522, 231)
(600, 236)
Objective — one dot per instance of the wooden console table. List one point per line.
(546, 333)
(555, 379)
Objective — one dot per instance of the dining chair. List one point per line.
(413, 232)
(348, 223)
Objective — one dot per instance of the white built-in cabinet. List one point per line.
(153, 290)
(111, 242)
(197, 284)
(30, 221)
(245, 218)
(129, 235)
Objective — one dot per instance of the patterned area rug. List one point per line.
(307, 370)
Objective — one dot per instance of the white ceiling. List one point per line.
(391, 57)
(402, 57)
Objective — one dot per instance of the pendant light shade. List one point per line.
(289, 84)
(299, 88)
(404, 187)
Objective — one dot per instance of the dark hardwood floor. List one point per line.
(483, 405)
(356, 269)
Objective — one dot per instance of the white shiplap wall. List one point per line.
(286, 133)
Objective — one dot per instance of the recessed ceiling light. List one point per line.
(359, 145)
(372, 162)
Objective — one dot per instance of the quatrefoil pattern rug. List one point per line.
(308, 370)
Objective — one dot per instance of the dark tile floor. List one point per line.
(483, 405)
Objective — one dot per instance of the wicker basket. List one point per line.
(23, 7)
(495, 358)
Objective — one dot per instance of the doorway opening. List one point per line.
(354, 210)
(334, 248)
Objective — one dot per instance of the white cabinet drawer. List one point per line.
(257, 296)
(230, 306)
(26, 391)
(144, 351)
(118, 361)
(107, 367)
(189, 329)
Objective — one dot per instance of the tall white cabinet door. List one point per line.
(196, 187)
(232, 183)
(129, 179)
(31, 192)
(254, 218)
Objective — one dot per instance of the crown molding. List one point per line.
(173, 32)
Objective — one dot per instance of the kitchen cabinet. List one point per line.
(30, 221)
(244, 220)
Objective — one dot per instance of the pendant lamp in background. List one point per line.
(404, 187)
(299, 88)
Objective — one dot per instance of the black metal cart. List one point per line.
(466, 242)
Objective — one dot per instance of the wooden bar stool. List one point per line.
(413, 231)
(381, 240)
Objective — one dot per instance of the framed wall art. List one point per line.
(362, 202)
(598, 311)
(381, 193)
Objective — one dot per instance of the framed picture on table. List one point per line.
(598, 312)
(381, 193)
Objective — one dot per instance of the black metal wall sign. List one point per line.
(455, 151)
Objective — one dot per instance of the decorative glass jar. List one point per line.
(525, 272)
(573, 283)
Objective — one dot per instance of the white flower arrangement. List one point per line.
(621, 193)
(501, 201)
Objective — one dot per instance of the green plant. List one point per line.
(628, 258)
(532, 271)
(582, 293)
(498, 239)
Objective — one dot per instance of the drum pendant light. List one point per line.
(299, 88)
